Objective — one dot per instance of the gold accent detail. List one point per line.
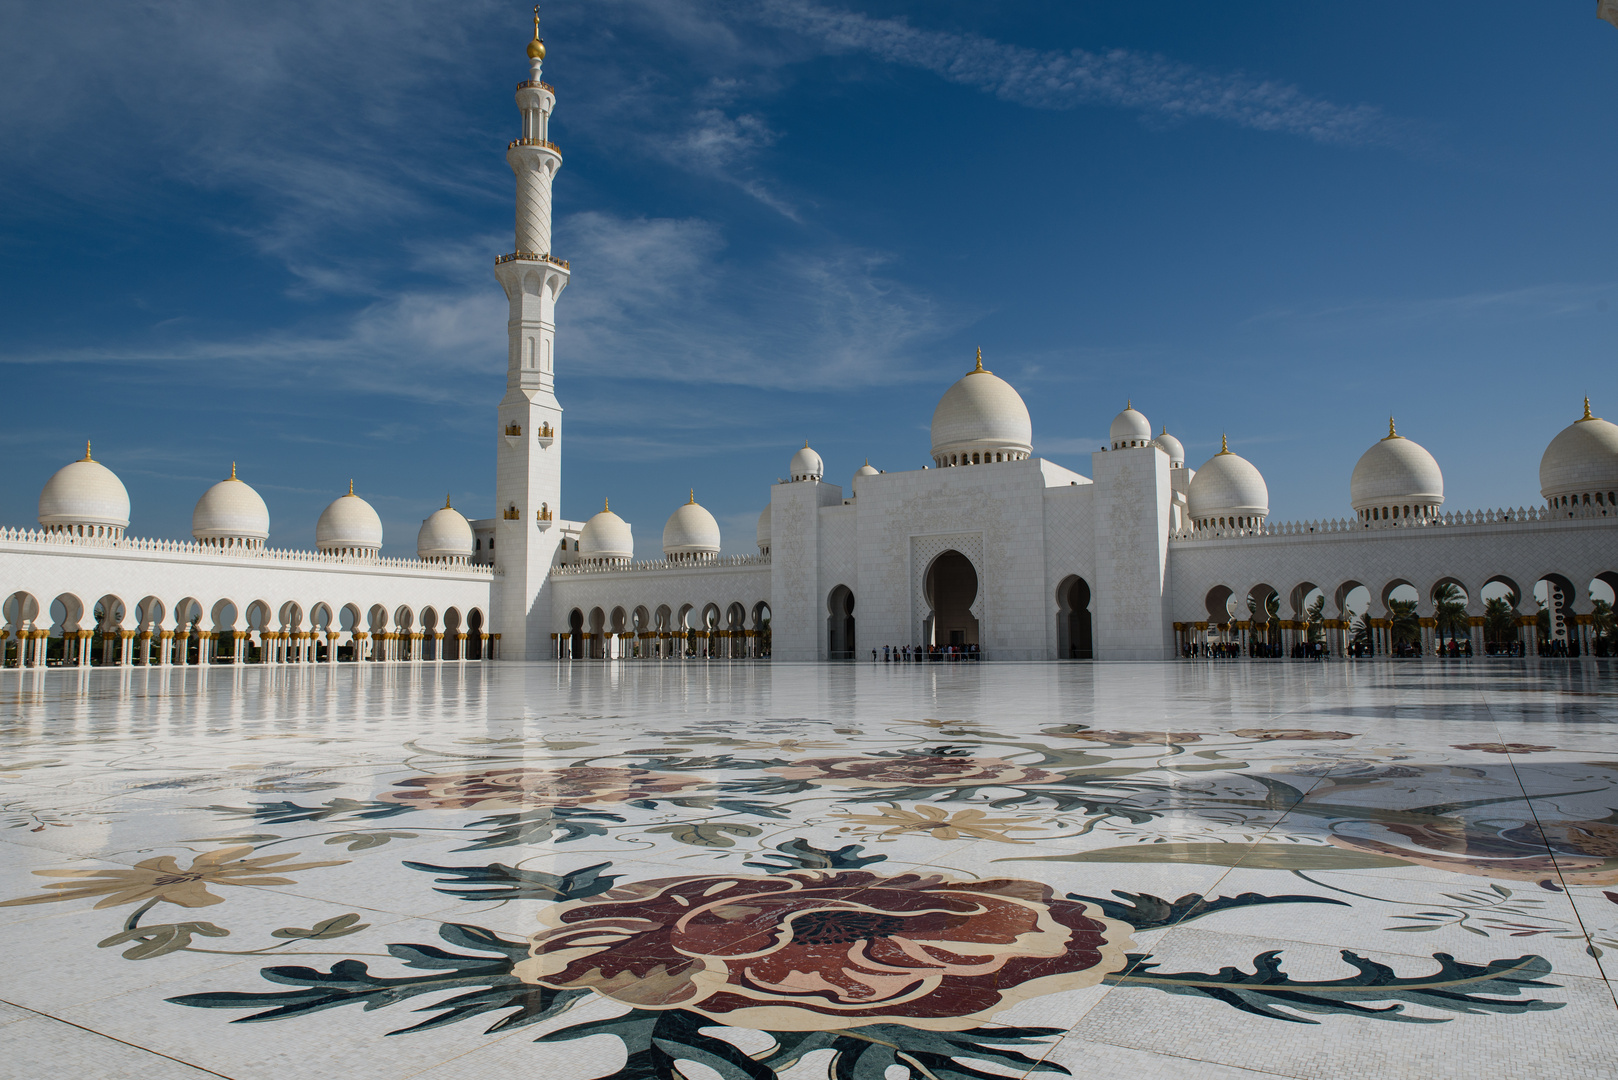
(1392, 434)
(536, 48)
(1224, 446)
(693, 501)
(1129, 403)
(606, 505)
(87, 456)
(446, 501)
(350, 488)
(1580, 420)
(980, 369)
(233, 471)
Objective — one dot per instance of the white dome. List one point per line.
(1227, 486)
(348, 523)
(1130, 428)
(445, 534)
(1396, 471)
(85, 492)
(806, 465)
(607, 537)
(691, 530)
(1171, 446)
(981, 414)
(231, 510)
(764, 529)
(1582, 459)
(863, 470)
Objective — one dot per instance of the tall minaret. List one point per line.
(528, 481)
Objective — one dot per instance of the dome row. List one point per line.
(690, 535)
(86, 498)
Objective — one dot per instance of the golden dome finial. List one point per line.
(606, 504)
(979, 368)
(1129, 403)
(536, 48)
(693, 501)
(446, 501)
(1582, 419)
(233, 470)
(351, 488)
(1392, 434)
(87, 456)
(1224, 445)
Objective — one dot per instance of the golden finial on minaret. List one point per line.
(979, 368)
(536, 48)
(1581, 420)
(1224, 446)
(87, 456)
(233, 470)
(351, 487)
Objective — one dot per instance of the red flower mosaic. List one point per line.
(913, 771)
(826, 950)
(515, 789)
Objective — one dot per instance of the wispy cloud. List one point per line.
(1063, 79)
(1552, 300)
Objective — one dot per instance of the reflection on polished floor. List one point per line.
(861, 871)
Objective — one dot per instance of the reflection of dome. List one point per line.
(606, 538)
(349, 526)
(1130, 428)
(445, 535)
(1580, 465)
(230, 514)
(806, 464)
(85, 498)
(981, 419)
(1228, 492)
(764, 529)
(1171, 446)
(691, 533)
(1396, 478)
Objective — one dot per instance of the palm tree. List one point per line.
(1315, 614)
(1499, 622)
(1406, 625)
(1449, 609)
(1272, 612)
(1603, 625)
(1359, 633)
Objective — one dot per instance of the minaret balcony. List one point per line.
(531, 256)
(547, 435)
(541, 143)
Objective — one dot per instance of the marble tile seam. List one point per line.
(121, 1042)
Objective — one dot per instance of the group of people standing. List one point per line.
(915, 654)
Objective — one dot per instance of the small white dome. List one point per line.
(981, 414)
(806, 465)
(1396, 471)
(85, 492)
(764, 529)
(349, 523)
(863, 470)
(1582, 459)
(606, 537)
(231, 510)
(1130, 428)
(445, 534)
(691, 531)
(1227, 485)
(1171, 446)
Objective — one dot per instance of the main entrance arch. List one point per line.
(951, 587)
(840, 624)
(1074, 628)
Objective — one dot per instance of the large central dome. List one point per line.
(981, 419)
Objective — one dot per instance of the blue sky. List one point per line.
(264, 233)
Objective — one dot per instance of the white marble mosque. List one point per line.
(982, 549)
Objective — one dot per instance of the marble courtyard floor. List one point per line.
(867, 872)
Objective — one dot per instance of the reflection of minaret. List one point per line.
(528, 482)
